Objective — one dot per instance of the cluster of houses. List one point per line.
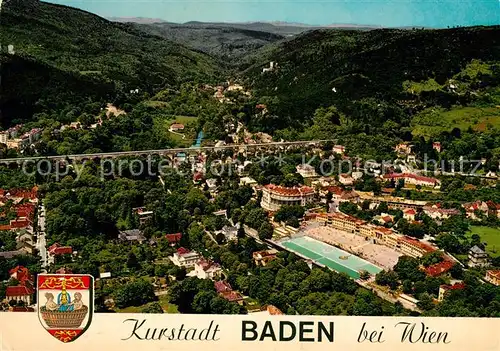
(23, 290)
(22, 204)
(15, 140)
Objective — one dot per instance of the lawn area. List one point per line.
(436, 120)
(489, 235)
(163, 300)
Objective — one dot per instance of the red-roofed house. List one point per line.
(205, 269)
(21, 274)
(409, 214)
(232, 296)
(493, 276)
(57, 249)
(176, 126)
(440, 268)
(174, 238)
(24, 291)
(436, 146)
(443, 289)
(19, 293)
(222, 286)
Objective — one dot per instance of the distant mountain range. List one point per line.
(277, 27)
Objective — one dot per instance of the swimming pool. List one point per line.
(330, 256)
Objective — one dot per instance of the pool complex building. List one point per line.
(330, 256)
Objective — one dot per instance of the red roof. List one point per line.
(177, 126)
(57, 249)
(456, 286)
(222, 286)
(410, 176)
(5, 227)
(410, 211)
(418, 243)
(173, 238)
(232, 296)
(261, 106)
(207, 264)
(335, 190)
(284, 191)
(19, 223)
(182, 251)
(20, 290)
(439, 268)
(21, 274)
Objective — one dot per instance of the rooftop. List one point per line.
(285, 191)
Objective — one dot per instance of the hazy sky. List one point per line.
(431, 13)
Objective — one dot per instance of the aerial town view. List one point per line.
(249, 168)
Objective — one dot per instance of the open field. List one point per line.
(489, 235)
(434, 121)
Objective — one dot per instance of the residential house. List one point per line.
(133, 235)
(175, 127)
(409, 214)
(404, 148)
(205, 269)
(143, 214)
(442, 267)
(414, 179)
(306, 170)
(4, 136)
(339, 149)
(248, 181)
(24, 290)
(262, 258)
(211, 184)
(493, 276)
(58, 250)
(184, 258)
(472, 209)
(478, 257)
(444, 289)
(436, 146)
(230, 232)
(346, 179)
(173, 239)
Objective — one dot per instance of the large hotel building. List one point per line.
(275, 196)
(406, 245)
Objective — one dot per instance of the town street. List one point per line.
(41, 243)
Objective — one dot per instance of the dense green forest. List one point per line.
(65, 56)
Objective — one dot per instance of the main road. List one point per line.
(41, 243)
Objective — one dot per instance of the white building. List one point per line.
(346, 179)
(3, 137)
(275, 196)
(207, 270)
(306, 170)
(185, 258)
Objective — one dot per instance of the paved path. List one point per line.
(41, 243)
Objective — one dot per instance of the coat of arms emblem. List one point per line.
(65, 304)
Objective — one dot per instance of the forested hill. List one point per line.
(87, 48)
(341, 68)
(223, 41)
